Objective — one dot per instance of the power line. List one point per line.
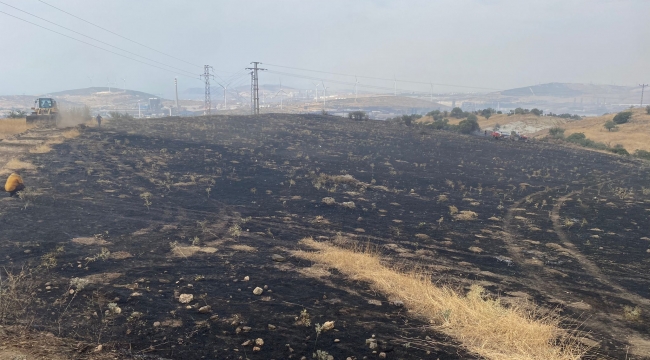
(344, 83)
(385, 79)
(99, 41)
(116, 34)
(95, 46)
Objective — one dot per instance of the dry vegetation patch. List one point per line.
(482, 324)
(241, 247)
(13, 126)
(185, 251)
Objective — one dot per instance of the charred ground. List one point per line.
(164, 207)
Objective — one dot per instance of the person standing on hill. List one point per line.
(13, 185)
(99, 120)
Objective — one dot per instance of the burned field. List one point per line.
(126, 222)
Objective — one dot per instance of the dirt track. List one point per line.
(139, 190)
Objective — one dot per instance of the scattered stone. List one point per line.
(205, 309)
(246, 328)
(272, 327)
(246, 278)
(136, 294)
(374, 302)
(258, 291)
(278, 258)
(382, 355)
(256, 348)
(71, 292)
(327, 325)
(48, 283)
(156, 324)
(259, 342)
(266, 287)
(397, 303)
(337, 340)
(246, 343)
(185, 298)
(27, 251)
(99, 348)
(214, 317)
(48, 288)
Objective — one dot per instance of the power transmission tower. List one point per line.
(207, 106)
(255, 88)
(642, 88)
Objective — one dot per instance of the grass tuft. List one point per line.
(482, 324)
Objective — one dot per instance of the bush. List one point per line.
(556, 132)
(609, 125)
(536, 112)
(576, 138)
(622, 117)
(408, 119)
(439, 124)
(358, 115)
(469, 125)
(647, 109)
(16, 114)
(642, 154)
(496, 127)
(618, 149)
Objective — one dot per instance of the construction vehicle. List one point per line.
(44, 110)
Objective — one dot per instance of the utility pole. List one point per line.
(394, 86)
(255, 88)
(207, 107)
(178, 109)
(356, 82)
(316, 87)
(431, 96)
(225, 100)
(642, 88)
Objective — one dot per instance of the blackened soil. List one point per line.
(148, 190)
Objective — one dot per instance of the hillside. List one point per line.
(633, 135)
(525, 124)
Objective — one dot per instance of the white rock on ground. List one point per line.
(258, 291)
(185, 298)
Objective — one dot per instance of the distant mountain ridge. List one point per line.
(100, 89)
(569, 90)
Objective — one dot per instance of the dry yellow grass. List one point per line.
(633, 136)
(69, 134)
(15, 164)
(41, 149)
(483, 325)
(13, 126)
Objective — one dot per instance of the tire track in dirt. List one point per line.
(590, 267)
(596, 319)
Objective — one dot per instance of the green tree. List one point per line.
(647, 109)
(536, 112)
(609, 125)
(16, 114)
(496, 127)
(622, 117)
(456, 113)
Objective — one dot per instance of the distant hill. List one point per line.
(568, 90)
(98, 89)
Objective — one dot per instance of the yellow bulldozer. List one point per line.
(44, 110)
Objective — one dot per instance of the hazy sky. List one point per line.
(484, 43)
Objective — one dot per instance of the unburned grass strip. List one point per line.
(482, 324)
